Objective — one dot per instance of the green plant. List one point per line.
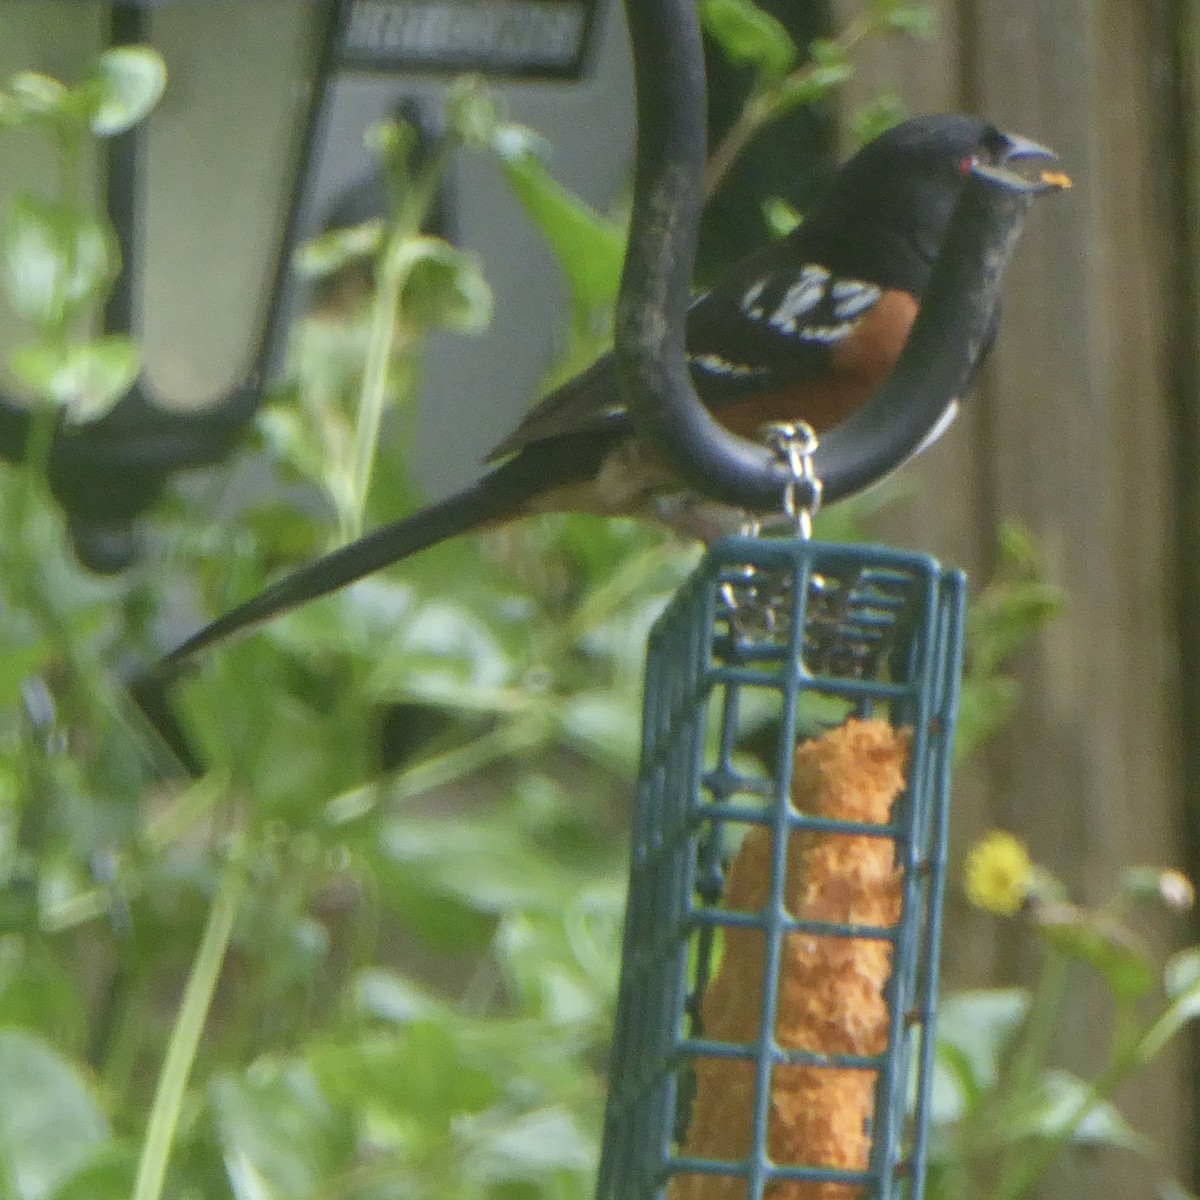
(60, 254)
(1014, 603)
(783, 78)
(201, 986)
(1003, 1111)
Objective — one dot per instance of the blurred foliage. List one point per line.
(372, 952)
(1001, 1109)
(1015, 601)
(782, 78)
(60, 255)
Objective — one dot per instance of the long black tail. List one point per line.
(498, 495)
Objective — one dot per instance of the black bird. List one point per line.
(805, 329)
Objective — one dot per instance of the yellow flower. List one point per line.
(998, 873)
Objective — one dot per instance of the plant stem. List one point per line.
(1039, 1029)
(195, 803)
(185, 1036)
(1022, 1175)
(385, 309)
(763, 106)
(1019, 1081)
(392, 272)
(608, 599)
(755, 114)
(43, 421)
(510, 739)
(1136, 1052)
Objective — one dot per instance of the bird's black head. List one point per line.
(887, 211)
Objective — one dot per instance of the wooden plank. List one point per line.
(1077, 389)
(1069, 433)
(939, 504)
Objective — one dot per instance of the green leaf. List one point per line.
(1013, 606)
(975, 1028)
(902, 16)
(590, 248)
(826, 52)
(750, 35)
(22, 658)
(876, 117)
(338, 248)
(1007, 615)
(812, 85)
(389, 996)
(780, 216)
(443, 287)
(37, 95)
(489, 867)
(86, 380)
(953, 1090)
(126, 84)
(473, 112)
(530, 1146)
(395, 143)
(37, 993)
(108, 1174)
(1100, 941)
(428, 1071)
(291, 439)
(443, 921)
(1181, 980)
(445, 654)
(1057, 1099)
(548, 978)
(392, 140)
(58, 258)
(278, 1133)
(606, 726)
(49, 1122)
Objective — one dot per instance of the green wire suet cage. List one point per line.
(770, 642)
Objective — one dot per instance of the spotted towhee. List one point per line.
(803, 330)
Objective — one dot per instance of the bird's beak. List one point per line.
(1017, 147)
(1027, 161)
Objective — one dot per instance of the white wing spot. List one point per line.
(826, 334)
(852, 298)
(803, 295)
(714, 364)
(750, 300)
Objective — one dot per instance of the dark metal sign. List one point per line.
(531, 38)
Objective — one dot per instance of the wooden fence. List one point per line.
(1087, 428)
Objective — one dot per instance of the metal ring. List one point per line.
(796, 444)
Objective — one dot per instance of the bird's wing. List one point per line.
(752, 333)
(763, 331)
(590, 401)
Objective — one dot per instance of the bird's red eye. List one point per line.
(964, 167)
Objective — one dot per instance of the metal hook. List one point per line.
(796, 444)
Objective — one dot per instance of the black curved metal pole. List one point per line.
(668, 60)
(938, 363)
